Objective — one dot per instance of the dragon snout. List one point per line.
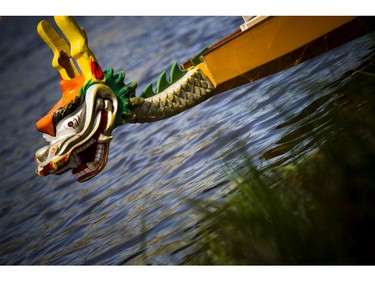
(47, 161)
(42, 154)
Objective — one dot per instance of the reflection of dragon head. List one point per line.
(78, 128)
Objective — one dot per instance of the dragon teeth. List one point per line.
(99, 104)
(99, 152)
(108, 105)
(89, 143)
(92, 165)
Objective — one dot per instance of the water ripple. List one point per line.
(141, 208)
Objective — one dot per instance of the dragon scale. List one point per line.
(192, 89)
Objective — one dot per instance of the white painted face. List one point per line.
(71, 125)
(82, 138)
(68, 127)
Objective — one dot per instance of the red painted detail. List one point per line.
(96, 70)
(52, 152)
(50, 166)
(63, 160)
(44, 172)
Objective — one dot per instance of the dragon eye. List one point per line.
(69, 126)
(73, 123)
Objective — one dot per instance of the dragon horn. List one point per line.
(61, 51)
(79, 49)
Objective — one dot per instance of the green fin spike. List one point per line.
(162, 83)
(176, 73)
(129, 89)
(197, 58)
(148, 91)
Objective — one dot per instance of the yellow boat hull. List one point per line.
(274, 44)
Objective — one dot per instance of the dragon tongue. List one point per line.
(77, 159)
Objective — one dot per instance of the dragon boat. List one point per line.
(94, 102)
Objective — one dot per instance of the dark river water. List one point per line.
(140, 209)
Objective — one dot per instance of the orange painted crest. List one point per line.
(70, 91)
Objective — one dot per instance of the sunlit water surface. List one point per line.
(140, 209)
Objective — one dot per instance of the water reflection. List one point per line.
(305, 130)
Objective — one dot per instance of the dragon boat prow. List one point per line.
(94, 102)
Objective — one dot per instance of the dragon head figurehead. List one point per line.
(94, 102)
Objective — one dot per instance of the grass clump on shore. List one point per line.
(319, 211)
